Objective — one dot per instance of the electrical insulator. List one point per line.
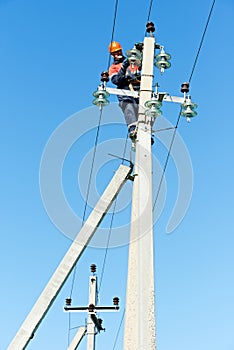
(116, 301)
(68, 301)
(105, 77)
(153, 106)
(93, 268)
(134, 56)
(184, 88)
(162, 60)
(188, 108)
(139, 46)
(150, 27)
(101, 97)
(91, 308)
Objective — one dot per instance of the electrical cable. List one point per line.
(117, 335)
(167, 160)
(107, 245)
(201, 42)
(149, 13)
(69, 329)
(113, 31)
(88, 187)
(113, 213)
(178, 119)
(92, 165)
(93, 159)
(111, 225)
(150, 8)
(85, 209)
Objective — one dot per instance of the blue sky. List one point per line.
(52, 54)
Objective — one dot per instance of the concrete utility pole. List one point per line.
(140, 327)
(49, 294)
(91, 332)
(139, 331)
(94, 324)
(77, 338)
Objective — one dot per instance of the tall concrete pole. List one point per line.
(77, 338)
(90, 325)
(140, 305)
(53, 287)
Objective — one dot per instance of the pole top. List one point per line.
(150, 27)
(116, 301)
(93, 268)
(185, 87)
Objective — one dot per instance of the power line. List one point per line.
(202, 39)
(113, 31)
(178, 119)
(107, 245)
(88, 187)
(85, 208)
(167, 160)
(117, 335)
(111, 225)
(149, 13)
(92, 165)
(150, 8)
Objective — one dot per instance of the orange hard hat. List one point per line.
(114, 46)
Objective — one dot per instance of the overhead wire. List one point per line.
(85, 209)
(121, 321)
(124, 152)
(107, 246)
(167, 160)
(150, 8)
(91, 172)
(170, 147)
(111, 225)
(89, 186)
(202, 39)
(113, 31)
(178, 119)
(117, 335)
(149, 13)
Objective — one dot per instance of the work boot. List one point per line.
(132, 132)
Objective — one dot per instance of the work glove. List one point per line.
(125, 63)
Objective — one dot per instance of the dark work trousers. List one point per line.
(130, 110)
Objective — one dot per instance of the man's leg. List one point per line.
(130, 111)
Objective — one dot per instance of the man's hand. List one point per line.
(125, 63)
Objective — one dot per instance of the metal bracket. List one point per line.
(169, 98)
(161, 96)
(123, 92)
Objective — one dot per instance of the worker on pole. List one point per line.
(125, 76)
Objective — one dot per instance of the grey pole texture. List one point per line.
(49, 294)
(90, 325)
(77, 338)
(140, 328)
